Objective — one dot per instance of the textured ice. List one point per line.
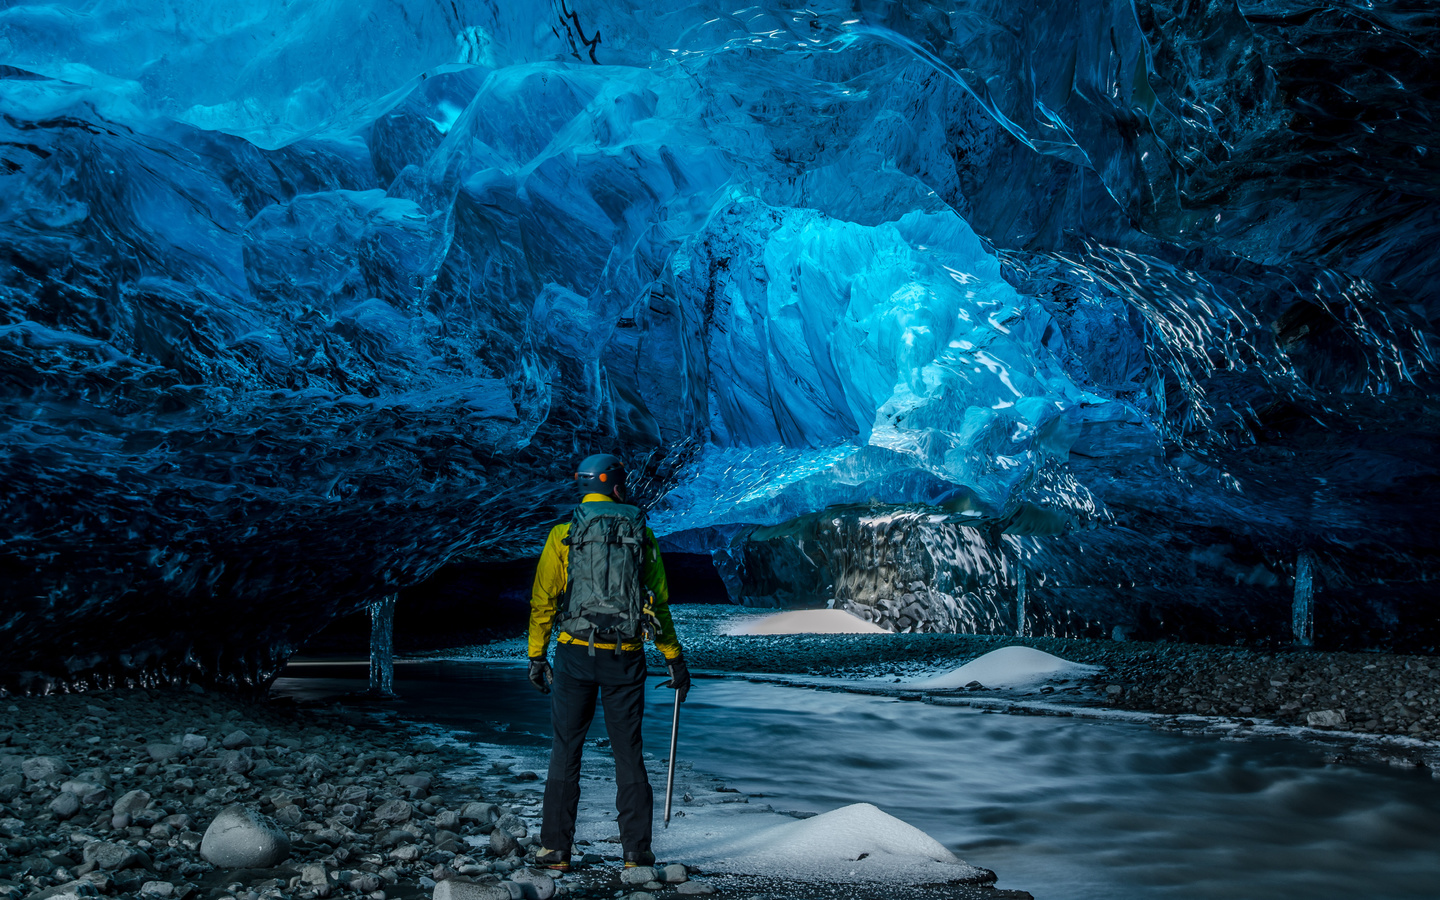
(300, 301)
(809, 621)
(1008, 667)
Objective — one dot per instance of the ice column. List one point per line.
(1302, 616)
(1022, 627)
(382, 646)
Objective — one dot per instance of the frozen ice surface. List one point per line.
(858, 842)
(1008, 667)
(808, 621)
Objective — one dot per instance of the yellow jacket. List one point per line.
(552, 575)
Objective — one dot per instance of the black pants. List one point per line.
(619, 679)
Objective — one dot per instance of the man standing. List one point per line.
(601, 582)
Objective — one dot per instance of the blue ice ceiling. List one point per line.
(302, 300)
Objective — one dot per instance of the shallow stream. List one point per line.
(1067, 809)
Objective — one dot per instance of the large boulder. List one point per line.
(241, 838)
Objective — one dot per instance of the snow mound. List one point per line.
(1009, 667)
(809, 621)
(853, 843)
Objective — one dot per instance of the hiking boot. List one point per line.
(554, 860)
(635, 858)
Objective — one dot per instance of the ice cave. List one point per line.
(1107, 322)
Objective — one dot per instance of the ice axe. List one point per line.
(670, 776)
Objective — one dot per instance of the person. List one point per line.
(601, 583)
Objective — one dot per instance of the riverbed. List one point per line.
(1065, 808)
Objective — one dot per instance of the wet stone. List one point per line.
(130, 803)
(44, 768)
(65, 806)
(235, 740)
(110, 856)
(395, 811)
(239, 838)
(638, 874)
(464, 890)
(503, 843)
(675, 873)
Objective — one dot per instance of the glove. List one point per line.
(679, 676)
(540, 674)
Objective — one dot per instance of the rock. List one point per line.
(65, 806)
(464, 890)
(447, 819)
(111, 857)
(637, 874)
(235, 740)
(477, 811)
(513, 824)
(675, 873)
(163, 752)
(241, 838)
(503, 843)
(131, 803)
(236, 762)
(536, 884)
(289, 816)
(407, 853)
(194, 743)
(70, 890)
(694, 887)
(314, 873)
(641, 895)
(44, 768)
(394, 811)
(1326, 718)
(366, 883)
(419, 783)
(157, 889)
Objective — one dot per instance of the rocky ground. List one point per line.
(177, 795)
(1373, 693)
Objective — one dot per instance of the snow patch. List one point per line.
(853, 843)
(1009, 667)
(809, 621)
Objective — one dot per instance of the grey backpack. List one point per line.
(605, 594)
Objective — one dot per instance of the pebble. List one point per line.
(637, 874)
(503, 843)
(65, 806)
(694, 887)
(44, 768)
(241, 838)
(235, 740)
(111, 856)
(464, 890)
(130, 803)
(675, 873)
(394, 811)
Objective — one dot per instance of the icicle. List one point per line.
(1022, 626)
(1302, 618)
(382, 646)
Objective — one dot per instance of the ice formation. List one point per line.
(808, 621)
(1008, 667)
(302, 301)
(858, 842)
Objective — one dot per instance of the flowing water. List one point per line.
(1067, 809)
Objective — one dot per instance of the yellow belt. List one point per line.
(567, 638)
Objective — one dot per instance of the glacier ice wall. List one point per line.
(303, 300)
